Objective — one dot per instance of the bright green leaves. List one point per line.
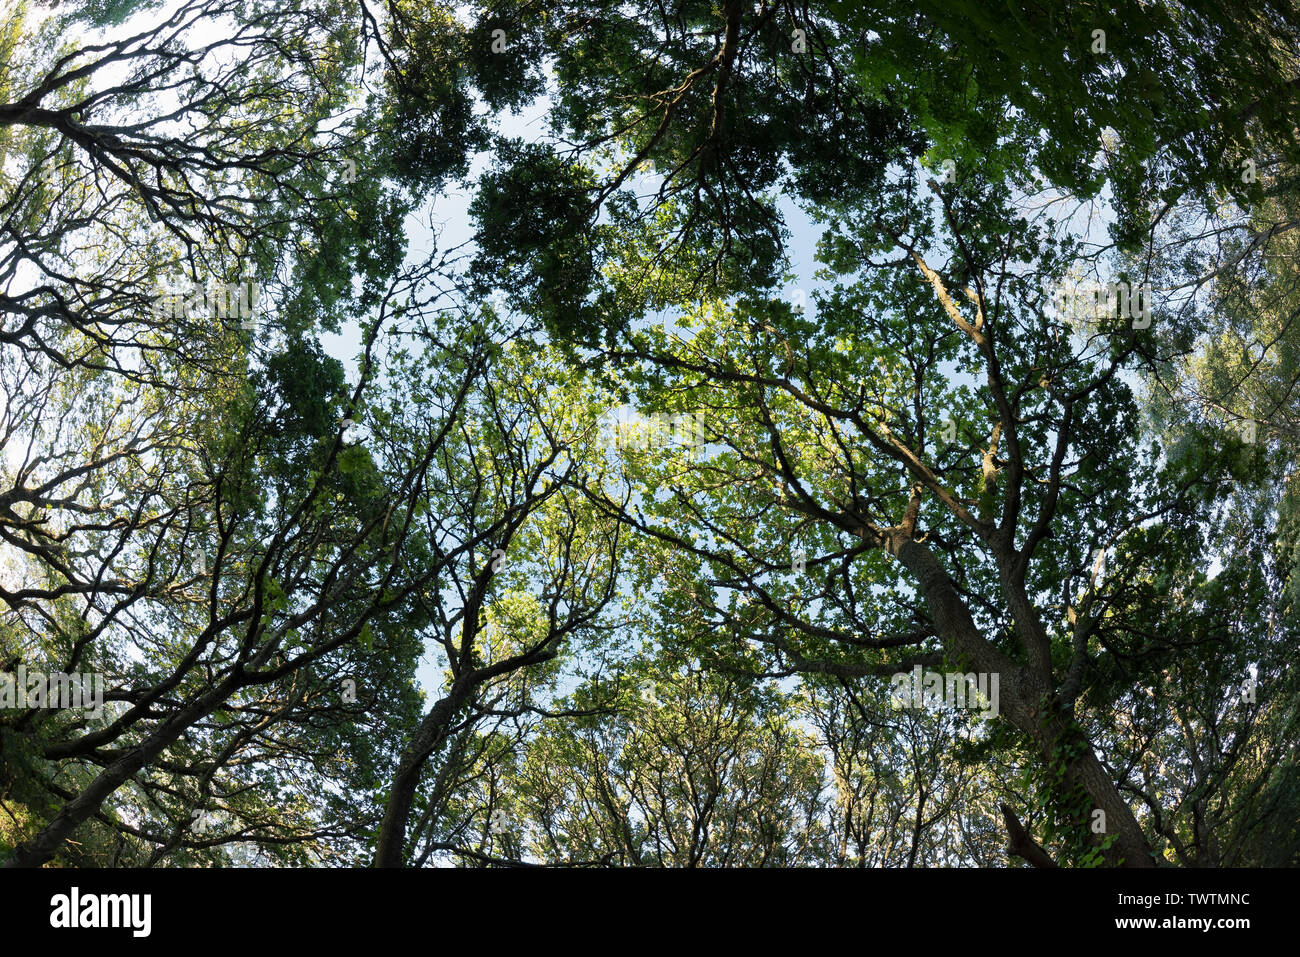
(687, 768)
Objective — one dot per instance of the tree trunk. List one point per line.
(1020, 696)
(390, 847)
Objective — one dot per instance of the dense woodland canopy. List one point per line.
(635, 389)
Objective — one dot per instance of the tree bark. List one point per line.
(390, 847)
(1021, 694)
(1021, 844)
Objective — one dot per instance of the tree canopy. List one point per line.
(640, 435)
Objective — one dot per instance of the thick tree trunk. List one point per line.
(1021, 693)
(391, 845)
